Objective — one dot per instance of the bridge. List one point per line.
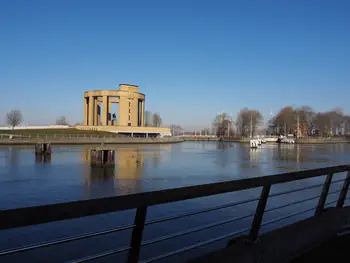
(294, 242)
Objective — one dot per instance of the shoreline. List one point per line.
(149, 141)
(90, 142)
(315, 141)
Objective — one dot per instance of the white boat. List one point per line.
(254, 143)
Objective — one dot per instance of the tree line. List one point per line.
(300, 122)
(304, 121)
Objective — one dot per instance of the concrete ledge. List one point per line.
(283, 244)
(127, 129)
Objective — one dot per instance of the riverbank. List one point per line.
(88, 141)
(246, 140)
(321, 141)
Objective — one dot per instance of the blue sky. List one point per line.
(191, 58)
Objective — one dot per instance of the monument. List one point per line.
(130, 119)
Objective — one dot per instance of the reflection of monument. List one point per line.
(129, 163)
(127, 175)
(39, 158)
(98, 113)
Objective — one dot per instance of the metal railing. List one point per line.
(141, 201)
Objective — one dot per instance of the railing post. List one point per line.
(344, 191)
(136, 237)
(324, 194)
(260, 209)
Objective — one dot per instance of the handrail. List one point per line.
(20, 217)
(49, 213)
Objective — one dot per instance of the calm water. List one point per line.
(25, 181)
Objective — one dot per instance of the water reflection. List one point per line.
(127, 175)
(13, 158)
(223, 156)
(40, 158)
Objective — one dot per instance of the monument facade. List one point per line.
(98, 106)
(130, 118)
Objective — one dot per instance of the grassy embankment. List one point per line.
(57, 132)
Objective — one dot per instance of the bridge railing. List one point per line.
(21, 217)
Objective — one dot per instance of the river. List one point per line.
(67, 176)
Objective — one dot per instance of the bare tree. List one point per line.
(346, 124)
(62, 121)
(222, 125)
(176, 129)
(322, 124)
(285, 120)
(14, 118)
(148, 118)
(248, 121)
(157, 120)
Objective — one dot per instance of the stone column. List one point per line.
(143, 114)
(91, 110)
(105, 110)
(99, 115)
(86, 108)
(109, 113)
(95, 111)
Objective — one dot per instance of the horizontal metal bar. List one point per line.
(63, 240)
(193, 230)
(195, 246)
(55, 212)
(298, 202)
(101, 255)
(201, 211)
(338, 181)
(332, 202)
(296, 190)
(287, 216)
(290, 204)
(334, 192)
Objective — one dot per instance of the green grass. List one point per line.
(72, 131)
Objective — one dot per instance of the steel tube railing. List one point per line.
(295, 190)
(287, 216)
(290, 204)
(300, 201)
(64, 240)
(193, 230)
(24, 216)
(178, 251)
(201, 211)
(100, 255)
